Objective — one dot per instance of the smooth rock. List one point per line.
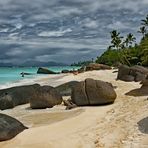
(42, 70)
(14, 96)
(66, 88)
(45, 97)
(9, 127)
(93, 92)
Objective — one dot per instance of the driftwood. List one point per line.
(69, 104)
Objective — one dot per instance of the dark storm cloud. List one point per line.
(64, 30)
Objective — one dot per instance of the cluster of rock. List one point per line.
(88, 92)
(94, 66)
(89, 67)
(38, 96)
(135, 73)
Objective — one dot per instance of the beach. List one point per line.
(109, 126)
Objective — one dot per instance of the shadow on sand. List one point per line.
(143, 91)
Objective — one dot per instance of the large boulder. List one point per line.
(135, 73)
(139, 72)
(66, 88)
(40, 96)
(123, 71)
(95, 66)
(14, 96)
(139, 76)
(42, 70)
(142, 91)
(138, 68)
(9, 127)
(93, 92)
(45, 97)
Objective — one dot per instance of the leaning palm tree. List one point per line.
(142, 30)
(145, 21)
(145, 24)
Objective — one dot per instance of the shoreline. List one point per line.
(28, 81)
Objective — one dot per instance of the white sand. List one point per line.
(111, 126)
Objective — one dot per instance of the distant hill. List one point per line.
(33, 63)
(6, 65)
(40, 64)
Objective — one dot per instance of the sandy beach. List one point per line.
(110, 126)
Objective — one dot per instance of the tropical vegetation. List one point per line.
(125, 50)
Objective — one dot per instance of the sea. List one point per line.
(10, 76)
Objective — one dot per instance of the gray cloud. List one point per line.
(64, 30)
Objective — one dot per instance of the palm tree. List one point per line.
(130, 39)
(126, 42)
(116, 39)
(118, 44)
(142, 30)
(114, 34)
(145, 24)
(145, 21)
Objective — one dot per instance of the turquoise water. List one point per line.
(12, 74)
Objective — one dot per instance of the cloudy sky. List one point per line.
(64, 30)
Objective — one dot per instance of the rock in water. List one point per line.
(9, 127)
(45, 97)
(93, 92)
(14, 96)
(66, 88)
(42, 70)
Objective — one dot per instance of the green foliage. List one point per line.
(116, 39)
(109, 57)
(130, 56)
(122, 50)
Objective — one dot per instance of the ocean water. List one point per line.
(10, 75)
